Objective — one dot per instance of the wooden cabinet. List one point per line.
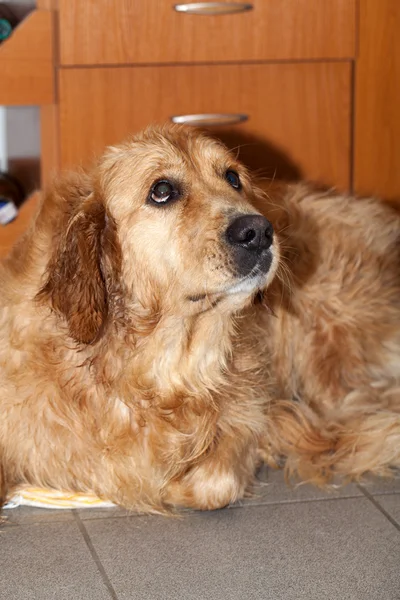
(318, 81)
(285, 65)
(298, 114)
(102, 32)
(377, 100)
(26, 62)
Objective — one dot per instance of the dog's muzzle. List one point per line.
(251, 237)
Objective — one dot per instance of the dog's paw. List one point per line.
(203, 490)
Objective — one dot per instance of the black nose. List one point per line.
(252, 232)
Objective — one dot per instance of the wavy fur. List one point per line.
(129, 369)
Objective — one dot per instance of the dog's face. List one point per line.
(189, 237)
(182, 205)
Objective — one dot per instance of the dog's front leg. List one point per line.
(217, 480)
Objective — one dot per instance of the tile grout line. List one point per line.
(95, 556)
(191, 512)
(384, 512)
(290, 501)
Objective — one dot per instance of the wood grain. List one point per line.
(299, 114)
(11, 232)
(377, 116)
(49, 140)
(133, 31)
(47, 4)
(26, 62)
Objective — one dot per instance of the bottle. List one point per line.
(11, 197)
(7, 22)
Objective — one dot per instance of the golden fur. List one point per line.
(133, 365)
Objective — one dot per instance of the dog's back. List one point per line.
(336, 341)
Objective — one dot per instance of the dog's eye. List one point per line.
(163, 191)
(233, 179)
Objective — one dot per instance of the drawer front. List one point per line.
(298, 114)
(101, 32)
(26, 62)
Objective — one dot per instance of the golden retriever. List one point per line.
(149, 354)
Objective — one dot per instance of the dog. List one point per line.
(166, 324)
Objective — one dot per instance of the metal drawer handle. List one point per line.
(213, 8)
(212, 119)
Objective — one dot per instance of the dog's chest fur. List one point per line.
(156, 407)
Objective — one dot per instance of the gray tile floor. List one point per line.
(283, 544)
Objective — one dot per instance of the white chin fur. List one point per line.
(247, 286)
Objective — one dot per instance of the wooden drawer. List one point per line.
(102, 32)
(299, 114)
(26, 62)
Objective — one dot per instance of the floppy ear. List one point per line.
(82, 271)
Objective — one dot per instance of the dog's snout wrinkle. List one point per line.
(252, 232)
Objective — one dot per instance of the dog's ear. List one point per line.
(83, 270)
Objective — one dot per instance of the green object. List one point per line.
(5, 29)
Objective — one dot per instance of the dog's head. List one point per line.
(165, 223)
